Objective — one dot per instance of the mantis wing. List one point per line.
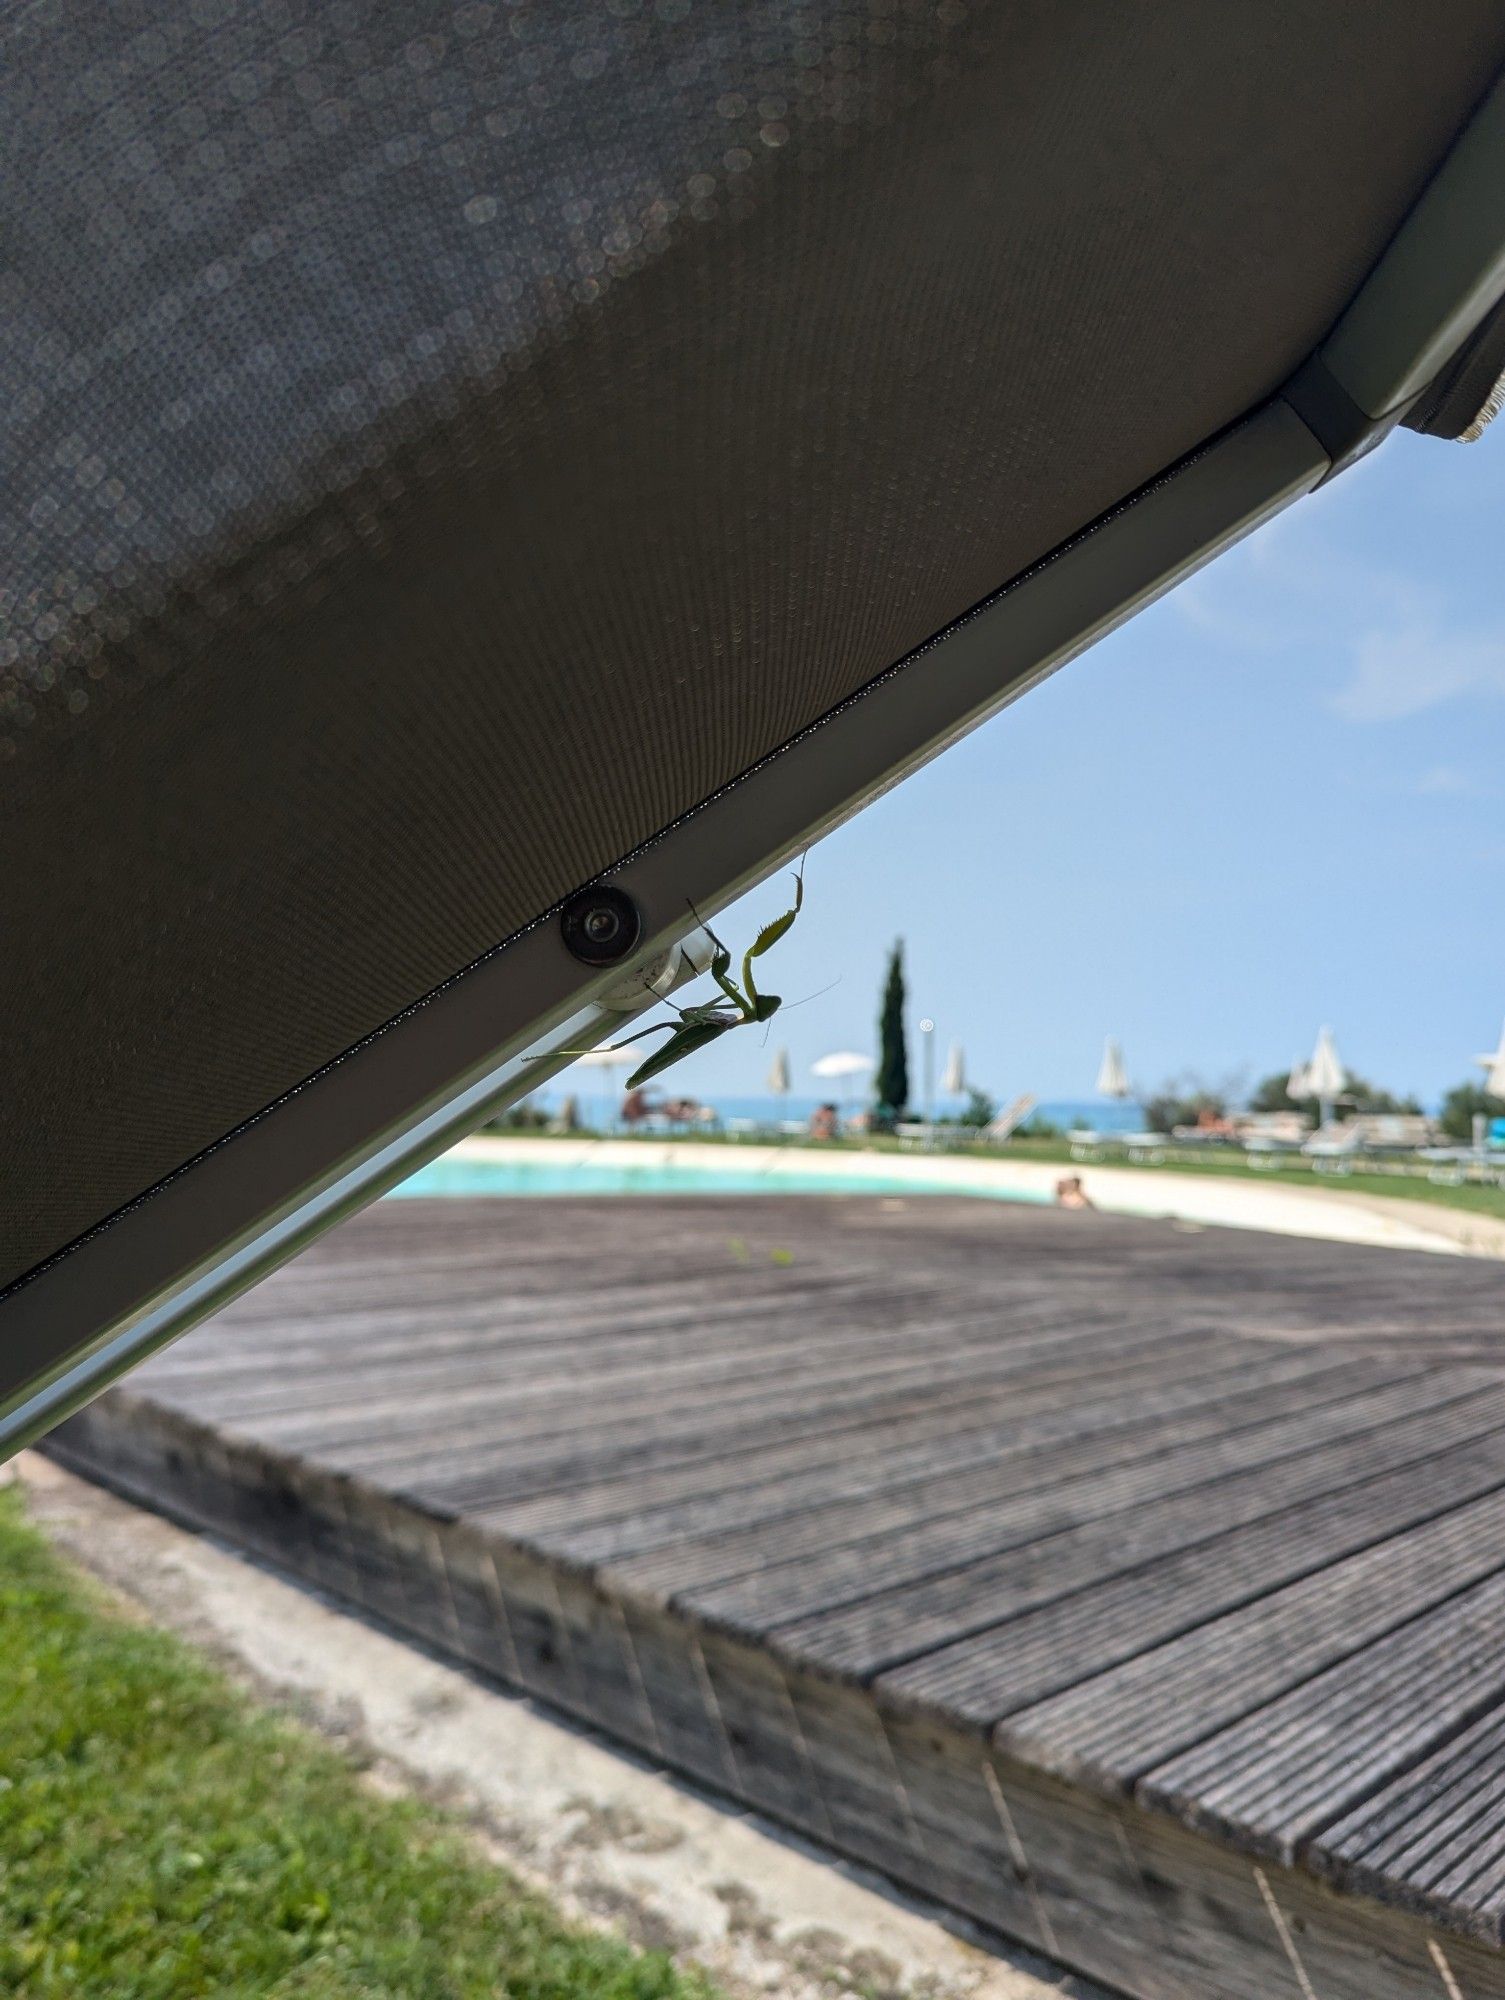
(683, 1042)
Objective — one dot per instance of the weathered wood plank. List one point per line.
(1357, 1491)
(1008, 1665)
(1281, 1774)
(489, 1474)
(1111, 1726)
(1433, 1839)
(912, 1435)
(993, 1499)
(967, 1348)
(615, 1518)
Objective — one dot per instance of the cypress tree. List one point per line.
(892, 1081)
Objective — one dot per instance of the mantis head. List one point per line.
(766, 1006)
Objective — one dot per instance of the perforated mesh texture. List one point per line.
(441, 446)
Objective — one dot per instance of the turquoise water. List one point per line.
(527, 1177)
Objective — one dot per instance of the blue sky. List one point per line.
(1274, 800)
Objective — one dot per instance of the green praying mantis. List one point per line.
(742, 1004)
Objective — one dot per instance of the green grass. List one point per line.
(1479, 1197)
(161, 1836)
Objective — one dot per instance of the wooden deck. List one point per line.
(1138, 1591)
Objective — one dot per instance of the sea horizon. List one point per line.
(767, 1109)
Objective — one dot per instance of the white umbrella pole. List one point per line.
(927, 1035)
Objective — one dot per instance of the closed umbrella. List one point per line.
(1112, 1080)
(779, 1082)
(954, 1081)
(1325, 1075)
(1493, 1066)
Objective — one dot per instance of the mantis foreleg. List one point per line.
(769, 936)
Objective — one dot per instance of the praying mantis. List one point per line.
(742, 1005)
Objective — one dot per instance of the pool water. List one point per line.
(451, 1176)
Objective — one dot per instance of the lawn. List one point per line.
(1480, 1198)
(162, 1836)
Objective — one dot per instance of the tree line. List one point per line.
(1182, 1100)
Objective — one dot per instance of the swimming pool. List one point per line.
(459, 1175)
(533, 1168)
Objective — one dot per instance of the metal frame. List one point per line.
(497, 1030)
(1443, 272)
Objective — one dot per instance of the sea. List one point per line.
(1100, 1114)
